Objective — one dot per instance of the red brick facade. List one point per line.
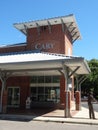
(54, 41)
(57, 37)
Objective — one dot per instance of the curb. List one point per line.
(67, 120)
(26, 118)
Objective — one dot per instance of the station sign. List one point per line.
(44, 46)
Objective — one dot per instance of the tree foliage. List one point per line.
(91, 83)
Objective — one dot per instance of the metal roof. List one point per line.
(68, 20)
(13, 45)
(39, 63)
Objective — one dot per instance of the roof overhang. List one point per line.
(41, 64)
(68, 20)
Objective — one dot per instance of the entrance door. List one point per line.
(13, 97)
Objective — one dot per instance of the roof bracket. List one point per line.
(75, 39)
(49, 26)
(74, 34)
(71, 24)
(4, 75)
(73, 71)
(25, 27)
(38, 28)
(63, 25)
(80, 80)
(68, 26)
(73, 29)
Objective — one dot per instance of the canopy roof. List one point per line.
(68, 20)
(39, 63)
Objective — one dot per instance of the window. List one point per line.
(45, 88)
(13, 96)
(45, 94)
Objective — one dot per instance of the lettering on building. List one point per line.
(44, 46)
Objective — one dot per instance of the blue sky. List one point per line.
(85, 11)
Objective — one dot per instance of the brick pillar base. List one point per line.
(67, 108)
(77, 100)
(4, 102)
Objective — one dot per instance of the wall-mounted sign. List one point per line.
(45, 46)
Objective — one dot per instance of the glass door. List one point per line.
(13, 96)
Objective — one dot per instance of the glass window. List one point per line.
(45, 92)
(48, 79)
(34, 90)
(40, 90)
(41, 79)
(34, 79)
(13, 96)
(41, 98)
(34, 94)
(45, 79)
(10, 91)
(56, 79)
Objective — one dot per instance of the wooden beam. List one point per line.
(63, 25)
(38, 28)
(49, 26)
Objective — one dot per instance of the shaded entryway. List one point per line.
(44, 112)
(30, 64)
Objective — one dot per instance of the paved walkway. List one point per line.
(80, 117)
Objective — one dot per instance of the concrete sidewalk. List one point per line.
(78, 117)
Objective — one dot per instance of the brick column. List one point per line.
(77, 100)
(4, 102)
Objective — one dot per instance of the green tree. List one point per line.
(91, 83)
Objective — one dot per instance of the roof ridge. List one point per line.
(63, 55)
(37, 20)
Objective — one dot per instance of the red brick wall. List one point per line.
(57, 37)
(61, 42)
(23, 83)
(68, 46)
(12, 49)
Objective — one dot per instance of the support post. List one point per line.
(2, 94)
(3, 102)
(67, 108)
(79, 81)
(77, 97)
(67, 76)
(67, 102)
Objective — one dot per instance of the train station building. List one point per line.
(42, 69)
